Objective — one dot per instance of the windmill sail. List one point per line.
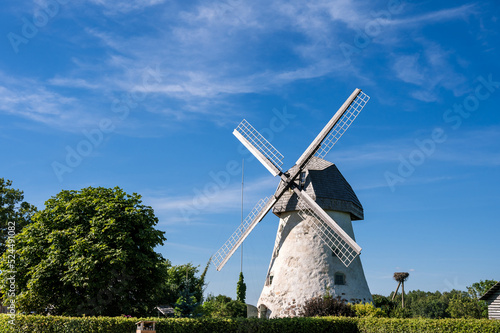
(262, 149)
(344, 247)
(231, 245)
(335, 128)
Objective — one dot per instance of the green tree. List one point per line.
(182, 280)
(241, 289)
(187, 306)
(224, 307)
(14, 212)
(88, 252)
(465, 307)
(383, 302)
(478, 289)
(467, 304)
(431, 306)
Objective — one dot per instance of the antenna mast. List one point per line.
(242, 178)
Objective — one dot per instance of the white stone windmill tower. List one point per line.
(315, 251)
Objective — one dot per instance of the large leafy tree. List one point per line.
(13, 210)
(182, 281)
(88, 252)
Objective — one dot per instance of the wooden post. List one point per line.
(394, 295)
(403, 294)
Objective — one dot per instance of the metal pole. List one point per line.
(242, 178)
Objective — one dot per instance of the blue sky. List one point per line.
(144, 94)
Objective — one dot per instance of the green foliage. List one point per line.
(55, 324)
(88, 252)
(327, 306)
(183, 289)
(478, 289)
(436, 305)
(383, 302)
(433, 305)
(467, 307)
(424, 325)
(181, 281)
(14, 210)
(400, 312)
(454, 304)
(224, 307)
(187, 306)
(241, 289)
(368, 310)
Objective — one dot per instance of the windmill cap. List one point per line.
(326, 185)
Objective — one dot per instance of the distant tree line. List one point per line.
(418, 304)
(449, 304)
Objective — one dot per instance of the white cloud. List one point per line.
(430, 70)
(30, 100)
(73, 82)
(442, 15)
(174, 209)
(209, 52)
(408, 69)
(125, 6)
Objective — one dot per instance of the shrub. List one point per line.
(466, 307)
(368, 310)
(224, 307)
(401, 313)
(327, 306)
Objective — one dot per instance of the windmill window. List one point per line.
(302, 179)
(270, 279)
(340, 279)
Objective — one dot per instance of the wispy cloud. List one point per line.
(114, 7)
(223, 200)
(429, 70)
(73, 82)
(32, 100)
(210, 52)
(439, 16)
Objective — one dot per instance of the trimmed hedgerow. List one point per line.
(424, 325)
(56, 324)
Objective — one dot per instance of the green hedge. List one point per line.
(417, 325)
(49, 324)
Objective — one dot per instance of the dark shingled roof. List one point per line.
(490, 292)
(326, 185)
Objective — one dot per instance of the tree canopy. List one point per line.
(181, 280)
(449, 304)
(88, 252)
(14, 210)
(224, 307)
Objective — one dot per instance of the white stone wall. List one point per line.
(305, 267)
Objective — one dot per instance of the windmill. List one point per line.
(315, 250)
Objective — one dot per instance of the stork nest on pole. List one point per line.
(401, 276)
